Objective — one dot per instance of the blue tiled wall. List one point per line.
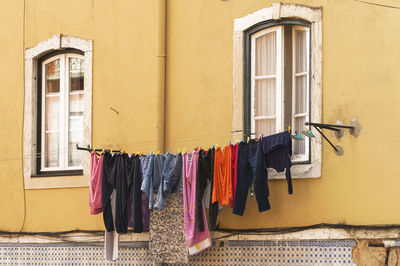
(237, 252)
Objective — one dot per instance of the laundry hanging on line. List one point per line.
(142, 184)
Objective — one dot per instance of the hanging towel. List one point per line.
(96, 173)
(111, 238)
(196, 241)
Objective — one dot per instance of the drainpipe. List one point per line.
(160, 89)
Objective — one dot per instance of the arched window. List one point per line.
(60, 111)
(57, 112)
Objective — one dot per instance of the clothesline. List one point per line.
(173, 187)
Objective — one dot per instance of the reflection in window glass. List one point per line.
(75, 118)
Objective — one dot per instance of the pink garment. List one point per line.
(196, 241)
(96, 173)
(234, 149)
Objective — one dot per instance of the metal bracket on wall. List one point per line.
(337, 128)
(89, 149)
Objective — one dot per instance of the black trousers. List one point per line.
(135, 177)
(108, 183)
(250, 166)
(213, 211)
(203, 174)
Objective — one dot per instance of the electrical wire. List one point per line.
(98, 235)
(23, 113)
(137, 144)
(376, 4)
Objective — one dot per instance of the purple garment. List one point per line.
(196, 241)
(277, 151)
(145, 211)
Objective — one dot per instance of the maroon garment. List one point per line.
(234, 149)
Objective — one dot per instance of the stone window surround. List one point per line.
(32, 55)
(276, 12)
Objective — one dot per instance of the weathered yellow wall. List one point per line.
(360, 80)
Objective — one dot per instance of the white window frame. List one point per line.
(280, 58)
(278, 76)
(302, 157)
(64, 112)
(32, 56)
(275, 12)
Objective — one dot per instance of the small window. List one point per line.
(60, 112)
(280, 83)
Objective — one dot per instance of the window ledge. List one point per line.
(59, 173)
(298, 171)
(70, 181)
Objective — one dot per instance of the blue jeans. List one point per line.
(147, 163)
(170, 178)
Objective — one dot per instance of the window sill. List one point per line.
(56, 181)
(58, 173)
(298, 171)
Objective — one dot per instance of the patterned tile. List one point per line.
(237, 252)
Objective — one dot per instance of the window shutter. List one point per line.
(300, 86)
(266, 81)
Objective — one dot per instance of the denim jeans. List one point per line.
(147, 163)
(170, 178)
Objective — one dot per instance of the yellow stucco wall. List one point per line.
(360, 80)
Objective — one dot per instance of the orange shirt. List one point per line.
(222, 186)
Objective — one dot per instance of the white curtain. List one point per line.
(265, 84)
(300, 76)
(52, 113)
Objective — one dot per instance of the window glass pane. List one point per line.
(51, 150)
(74, 156)
(52, 77)
(75, 123)
(265, 127)
(301, 51)
(52, 112)
(75, 104)
(265, 97)
(76, 73)
(299, 146)
(266, 55)
(301, 94)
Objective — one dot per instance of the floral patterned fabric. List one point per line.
(167, 241)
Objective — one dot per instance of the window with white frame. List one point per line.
(60, 112)
(280, 83)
